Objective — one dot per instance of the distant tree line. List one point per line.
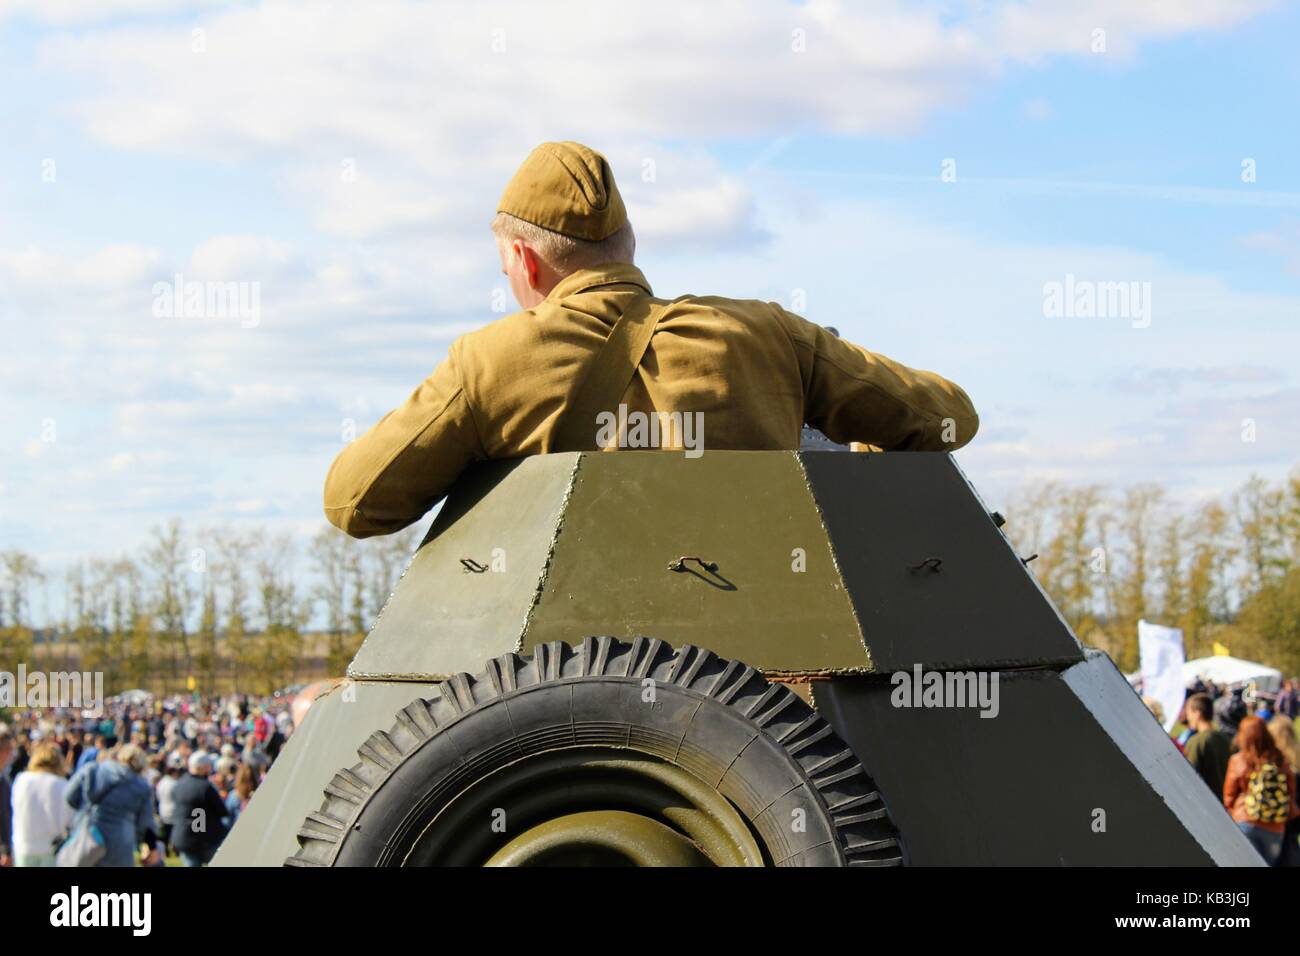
(227, 608)
(1226, 572)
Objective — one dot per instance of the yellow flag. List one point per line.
(1221, 651)
(191, 683)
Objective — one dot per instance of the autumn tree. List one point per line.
(167, 561)
(234, 568)
(331, 556)
(279, 645)
(19, 573)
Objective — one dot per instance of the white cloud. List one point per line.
(238, 257)
(117, 265)
(435, 104)
(717, 216)
(1034, 29)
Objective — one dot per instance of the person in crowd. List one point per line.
(75, 747)
(1282, 729)
(1263, 709)
(91, 754)
(1259, 789)
(1283, 732)
(22, 753)
(118, 801)
(41, 815)
(224, 778)
(157, 766)
(245, 783)
(275, 741)
(6, 811)
(199, 813)
(1229, 709)
(1183, 725)
(164, 792)
(1209, 748)
(1288, 701)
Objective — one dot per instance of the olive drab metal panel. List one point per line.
(469, 588)
(758, 581)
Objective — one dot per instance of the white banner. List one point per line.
(1161, 652)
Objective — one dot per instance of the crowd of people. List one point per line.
(1243, 744)
(171, 776)
(152, 777)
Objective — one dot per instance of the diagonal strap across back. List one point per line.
(608, 376)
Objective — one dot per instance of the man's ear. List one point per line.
(532, 265)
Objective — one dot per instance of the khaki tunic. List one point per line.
(755, 371)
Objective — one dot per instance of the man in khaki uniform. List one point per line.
(750, 372)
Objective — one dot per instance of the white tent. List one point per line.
(1232, 670)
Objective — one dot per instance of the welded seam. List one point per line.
(550, 554)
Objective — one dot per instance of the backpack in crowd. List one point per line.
(1267, 797)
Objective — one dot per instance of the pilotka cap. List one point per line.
(567, 188)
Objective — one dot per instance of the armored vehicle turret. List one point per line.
(746, 658)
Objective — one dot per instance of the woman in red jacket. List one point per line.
(1259, 790)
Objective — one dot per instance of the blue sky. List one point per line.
(220, 154)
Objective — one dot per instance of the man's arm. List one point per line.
(856, 395)
(397, 471)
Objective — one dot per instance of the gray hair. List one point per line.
(133, 757)
(562, 253)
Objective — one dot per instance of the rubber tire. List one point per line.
(756, 742)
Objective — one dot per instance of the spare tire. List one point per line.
(608, 753)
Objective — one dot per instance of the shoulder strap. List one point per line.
(608, 377)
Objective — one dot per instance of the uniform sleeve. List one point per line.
(394, 473)
(855, 395)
